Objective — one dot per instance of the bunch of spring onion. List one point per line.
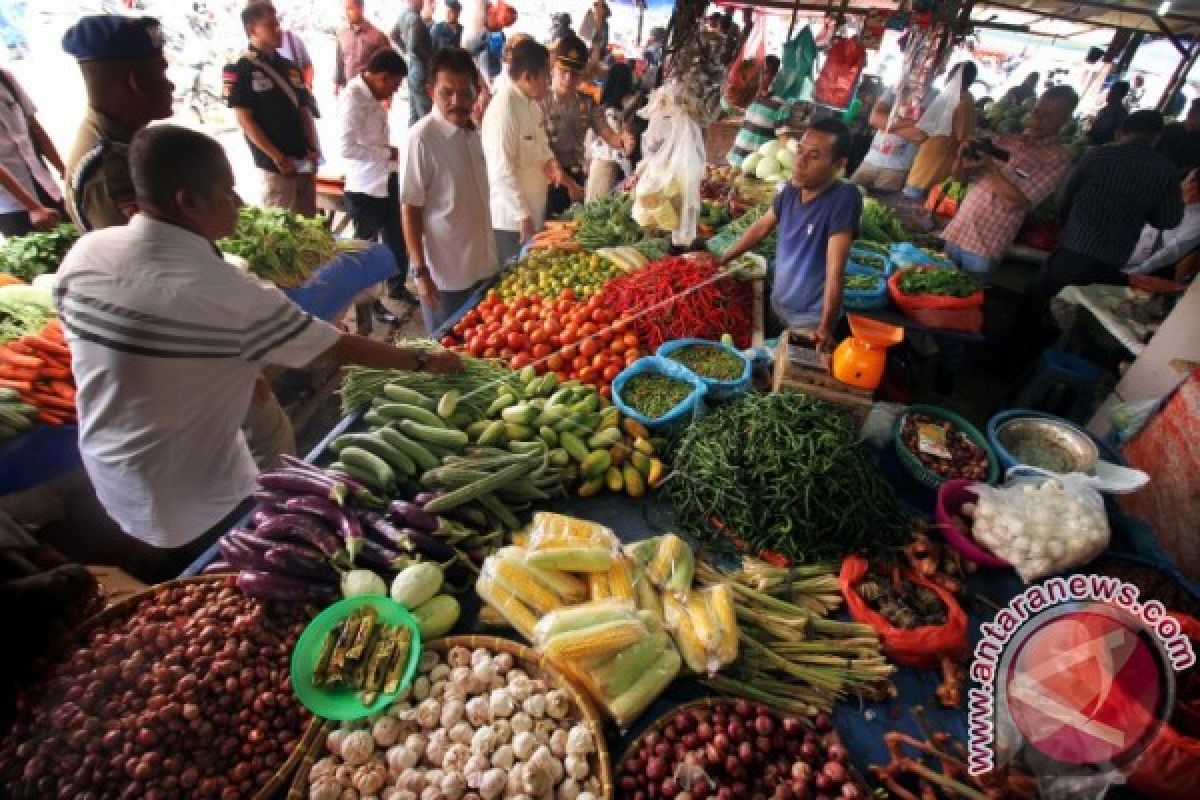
(791, 656)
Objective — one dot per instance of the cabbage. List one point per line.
(768, 170)
(786, 159)
(750, 165)
(770, 149)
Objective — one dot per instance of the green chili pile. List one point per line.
(782, 474)
(931, 280)
(654, 394)
(708, 361)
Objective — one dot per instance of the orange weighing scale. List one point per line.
(859, 360)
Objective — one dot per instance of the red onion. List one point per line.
(669, 788)
(743, 708)
(835, 772)
(721, 742)
(656, 769)
(764, 725)
(683, 722)
(809, 752)
(851, 791)
(837, 752)
(792, 726)
(704, 732)
(802, 771)
(823, 722)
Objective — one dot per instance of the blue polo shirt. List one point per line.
(804, 230)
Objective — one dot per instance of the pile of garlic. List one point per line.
(472, 727)
(1040, 530)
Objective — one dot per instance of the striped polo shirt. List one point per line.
(166, 341)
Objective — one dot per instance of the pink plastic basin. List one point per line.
(950, 499)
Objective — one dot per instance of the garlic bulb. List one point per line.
(483, 742)
(492, 784)
(326, 787)
(349, 793)
(333, 742)
(402, 757)
(386, 731)
(369, 778)
(544, 758)
(420, 688)
(516, 674)
(478, 712)
(537, 778)
(453, 786)
(435, 751)
(502, 704)
(439, 673)
(480, 656)
(452, 712)
(535, 706)
(504, 757)
(520, 689)
(357, 747)
(429, 713)
(503, 662)
(558, 742)
(462, 732)
(456, 758)
(504, 730)
(579, 741)
(476, 766)
(524, 743)
(412, 780)
(586, 796)
(576, 767)
(324, 767)
(429, 660)
(522, 722)
(417, 743)
(459, 657)
(543, 728)
(459, 676)
(568, 790)
(432, 793)
(558, 703)
(344, 774)
(481, 677)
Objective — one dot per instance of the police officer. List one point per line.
(275, 111)
(125, 73)
(569, 115)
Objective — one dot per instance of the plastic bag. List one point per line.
(567, 544)
(741, 86)
(794, 81)
(938, 119)
(1128, 419)
(1041, 527)
(923, 647)
(667, 561)
(839, 77)
(667, 196)
(703, 623)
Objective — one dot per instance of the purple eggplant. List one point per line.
(412, 515)
(240, 554)
(424, 498)
(251, 539)
(218, 567)
(263, 514)
(344, 521)
(409, 539)
(301, 528)
(379, 558)
(268, 499)
(292, 481)
(301, 561)
(281, 588)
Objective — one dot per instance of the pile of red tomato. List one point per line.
(573, 338)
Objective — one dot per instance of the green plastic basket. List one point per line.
(919, 471)
(343, 703)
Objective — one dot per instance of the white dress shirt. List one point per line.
(514, 140)
(17, 152)
(166, 342)
(364, 139)
(444, 173)
(1157, 249)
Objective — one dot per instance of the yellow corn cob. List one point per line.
(511, 573)
(703, 622)
(720, 602)
(598, 585)
(614, 676)
(595, 642)
(569, 588)
(558, 530)
(648, 597)
(672, 566)
(572, 559)
(520, 537)
(628, 706)
(679, 621)
(620, 579)
(509, 606)
(652, 621)
(585, 615)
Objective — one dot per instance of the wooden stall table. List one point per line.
(331, 202)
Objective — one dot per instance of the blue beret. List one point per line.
(111, 37)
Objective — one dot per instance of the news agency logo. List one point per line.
(1069, 683)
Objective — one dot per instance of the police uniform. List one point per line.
(273, 90)
(99, 191)
(568, 120)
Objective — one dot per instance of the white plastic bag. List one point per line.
(938, 119)
(668, 189)
(1041, 527)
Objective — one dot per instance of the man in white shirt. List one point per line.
(365, 144)
(520, 163)
(29, 197)
(1160, 250)
(444, 192)
(167, 340)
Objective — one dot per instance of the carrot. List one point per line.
(52, 402)
(9, 356)
(21, 386)
(63, 390)
(10, 374)
(48, 372)
(51, 419)
(46, 345)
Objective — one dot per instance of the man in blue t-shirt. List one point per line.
(817, 215)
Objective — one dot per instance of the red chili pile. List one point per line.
(676, 298)
(187, 697)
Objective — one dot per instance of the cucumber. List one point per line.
(15, 419)
(8, 395)
(605, 439)
(395, 458)
(548, 436)
(559, 457)
(526, 375)
(614, 480)
(404, 411)
(521, 492)
(452, 477)
(499, 510)
(448, 404)
(398, 393)
(477, 429)
(596, 464)
(521, 414)
(374, 419)
(562, 397)
(550, 415)
(573, 445)
(358, 473)
(434, 434)
(494, 434)
(519, 433)
(527, 447)
(501, 402)
(420, 454)
(462, 418)
(382, 476)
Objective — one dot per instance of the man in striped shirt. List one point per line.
(167, 340)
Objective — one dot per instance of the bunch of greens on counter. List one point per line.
(280, 246)
(880, 224)
(38, 253)
(782, 474)
(728, 236)
(931, 280)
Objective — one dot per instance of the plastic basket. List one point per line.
(687, 410)
(907, 254)
(865, 299)
(717, 389)
(865, 258)
(919, 471)
(950, 499)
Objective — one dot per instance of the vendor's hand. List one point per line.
(443, 362)
(526, 230)
(553, 172)
(286, 166)
(575, 192)
(43, 219)
(262, 390)
(427, 292)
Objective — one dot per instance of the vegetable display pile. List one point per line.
(863, 283)
(547, 273)
(37, 368)
(790, 655)
(472, 721)
(784, 473)
(188, 695)
(606, 222)
(727, 236)
(930, 280)
(943, 447)
(38, 253)
(480, 381)
(879, 223)
(653, 394)
(588, 340)
(708, 361)
(738, 750)
(280, 246)
(677, 298)
(902, 603)
(363, 654)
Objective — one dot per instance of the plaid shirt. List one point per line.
(985, 223)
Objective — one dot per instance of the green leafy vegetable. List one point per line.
(23, 310)
(728, 236)
(34, 254)
(863, 283)
(280, 246)
(880, 224)
(931, 280)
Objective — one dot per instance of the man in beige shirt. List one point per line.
(356, 43)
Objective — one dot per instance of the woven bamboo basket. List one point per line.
(124, 607)
(534, 664)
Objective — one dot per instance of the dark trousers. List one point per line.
(18, 223)
(380, 217)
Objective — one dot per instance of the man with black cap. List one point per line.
(125, 73)
(448, 33)
(569, 116)
(275, 111)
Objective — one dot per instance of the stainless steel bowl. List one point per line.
(1049, 444)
